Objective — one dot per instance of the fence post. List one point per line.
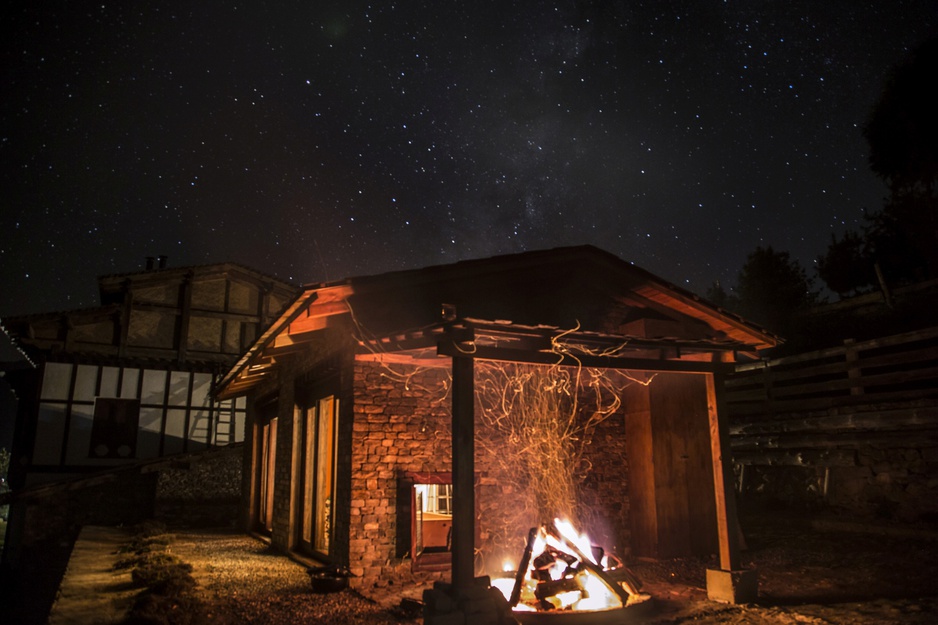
(853, 367)
(769, 410)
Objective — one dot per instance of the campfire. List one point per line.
(561, 571)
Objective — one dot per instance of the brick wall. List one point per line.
(400, 425)
(283, 480)
(605, 493)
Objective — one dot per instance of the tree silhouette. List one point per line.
(847, 267)
(902, 130)
(901, 239)
(773, 289)
(718, 296)
(902, 133)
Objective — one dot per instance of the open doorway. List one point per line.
(425, 506)
(433, 523)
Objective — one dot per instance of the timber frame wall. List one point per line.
(853, 426)
(157, 344)
(176, 415)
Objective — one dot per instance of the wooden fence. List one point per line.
(819, 408)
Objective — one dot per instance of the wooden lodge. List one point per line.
(388, 416)
(131, 379)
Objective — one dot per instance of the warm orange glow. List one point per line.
(581, 541)
(558, 578)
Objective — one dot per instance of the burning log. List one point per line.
(556, 574)
(552, 564)
(597, 570)
(523, 568)
(554, 587)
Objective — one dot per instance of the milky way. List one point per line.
(319, 140)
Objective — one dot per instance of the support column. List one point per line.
(729, 584)
(463, 571)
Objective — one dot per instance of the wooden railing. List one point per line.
(813, 408)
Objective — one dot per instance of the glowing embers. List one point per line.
(561, 571)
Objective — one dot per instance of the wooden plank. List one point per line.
(643, 515)
(463, 418)
(845, 367)
(907, 357)
(669, 446)
(824, 369)
(844, 439)
(874, 420)
(742, 410)
(889, 341)
(225, 316)
(702, 502)
(882, 379)
(683, 472)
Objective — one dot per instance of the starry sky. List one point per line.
(319, 140)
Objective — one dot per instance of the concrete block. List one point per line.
(732, 586)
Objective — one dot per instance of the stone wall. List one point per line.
(851, 428)
(882, 481)
(889, 482)
(201, 490)
(401, 425)
(606, 487)
(283, 480)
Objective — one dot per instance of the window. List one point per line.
(437, 498)
(114, 429)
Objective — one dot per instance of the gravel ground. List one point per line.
(242, 581)
(811, 570)
(808, 573)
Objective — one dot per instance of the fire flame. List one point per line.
(563, 574)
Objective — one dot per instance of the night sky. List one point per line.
(319, 140)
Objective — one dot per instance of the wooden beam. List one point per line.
(727, 520)
(449, 348)
(412, 359)
(463, 564)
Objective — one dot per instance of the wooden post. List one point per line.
(853, 366)
(730, 583)
(185, 305)
(767, 389)
(727, 529)
(463, 567)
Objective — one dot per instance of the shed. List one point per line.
(400, 424)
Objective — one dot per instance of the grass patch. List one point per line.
(168, 596)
